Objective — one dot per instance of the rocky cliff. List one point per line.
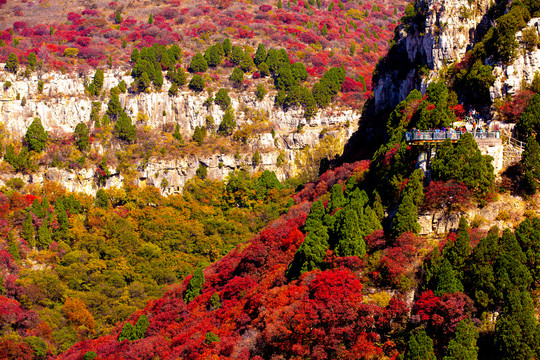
(441, 34)
(510, 78)
(63, 103)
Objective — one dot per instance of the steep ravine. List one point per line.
(63, 104)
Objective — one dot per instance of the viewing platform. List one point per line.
(421, 137)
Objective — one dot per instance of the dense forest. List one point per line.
(337, 267)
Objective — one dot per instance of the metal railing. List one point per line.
(439, 135)
(516, 144)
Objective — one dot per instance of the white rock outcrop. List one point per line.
(63, 103)
(449, 30)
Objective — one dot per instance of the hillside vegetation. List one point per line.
(249, 268)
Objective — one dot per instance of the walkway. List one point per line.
(434, 136)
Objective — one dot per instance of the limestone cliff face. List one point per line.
(63, 104)
(511, 77)
(448, 30)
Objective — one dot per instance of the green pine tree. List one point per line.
(315, 216)
(463, 345)
(405, 218)
(447, 281)
(44, 237)
(349, 238)
(37, 209)
(516, 330)
(530, 164)
(127, 332)
(114, 108)
(198, 64)
(480, 276)
(62, 218)
(415, 187)
(337, 199)
(310, 255)
(260, 55)
(36, 137)
(13, 246)
(142, 324)
(32, 61)
(12, 64)
(124, 128)
(458, 252)
(419, 347)
(82, 136)
(228, 124)
(195, 286)
(28, 230)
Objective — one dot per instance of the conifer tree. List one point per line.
(222, 99)
(32, 61)
(415, 187)
(228, 124)
(44, 235)
(127, 332)
(463, 345)
(37, 209)
(458, 252)
(315, 216)
(337, 200)
(124, 128)
(419, 347)
(139, 331)
(431, 269)
(405, 218)
(150, 19)
(213, 54)
(447, 281)
(256, 159)
(135, 56)
(98, 80)
(480, 276)
(199, 134)
(227, 47)
(377, 205)
(177, 135)
(516, 330)
(195, 286)
(45, 205)
(114, 108)
(36, 137)
(370, 222)
(237, 77)
(62, 218)
(12, 64)
(530, 163)
(349, 239)
(13, 247)
(237, 55)
(198, 64)
(173, 90)
(197, 83)
(279, 4)
(28, 230)
(260, 54)
(82, 136)
(310, 255)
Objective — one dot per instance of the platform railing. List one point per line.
(440, 135)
